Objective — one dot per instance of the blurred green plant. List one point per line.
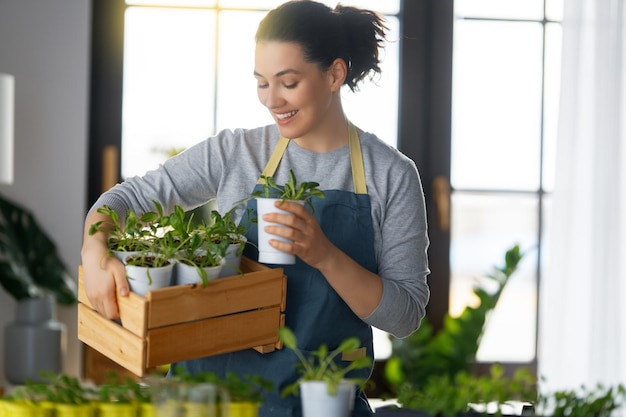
(426, 353)
(30, 266)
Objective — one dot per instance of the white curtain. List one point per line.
(582, 331)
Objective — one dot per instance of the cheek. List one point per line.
(262, 95)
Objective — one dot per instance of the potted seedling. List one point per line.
(134, 241)
(246, 393)
(240, 396)
(324, 386)
(224, 228)
(118, 398)
(302, 193)
(131, 236)
(198, 258)
(150, 269)
(61, 394)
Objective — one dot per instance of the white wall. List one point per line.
(45, 45)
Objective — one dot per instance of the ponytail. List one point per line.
(365, 36)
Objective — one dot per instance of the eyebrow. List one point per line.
(280, 73)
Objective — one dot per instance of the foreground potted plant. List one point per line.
(323, 385)
(61, 394)
(302, 193)
(240, 396)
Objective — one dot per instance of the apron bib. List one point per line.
(314, 311)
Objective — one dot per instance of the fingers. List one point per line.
(103, 282)
(305, 237)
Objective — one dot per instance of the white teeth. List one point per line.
(286, 115)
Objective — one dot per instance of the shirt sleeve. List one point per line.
(402, 243)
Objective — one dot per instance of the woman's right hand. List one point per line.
(104, 277)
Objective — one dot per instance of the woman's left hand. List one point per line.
(309, 242)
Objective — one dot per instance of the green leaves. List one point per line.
(29, 263)
(427, 354)
(323, 364)
(304, 191)
(447, 396)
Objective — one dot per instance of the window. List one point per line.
(504, 109)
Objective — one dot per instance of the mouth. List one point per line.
(282, 117)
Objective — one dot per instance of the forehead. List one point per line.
(273, 57)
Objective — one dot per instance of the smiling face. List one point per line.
(302, 98)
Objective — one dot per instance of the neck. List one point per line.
(328, 137)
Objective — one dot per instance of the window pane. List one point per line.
(178, 3)
(484, 227)
(168, 83)
(551, 109)
(388, 6)
(374, 107)
(496, 105)
(502, 9)
(554, 10)
(237, 101)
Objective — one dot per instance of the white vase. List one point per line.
(33, 341)
(122, 255)
(316, 401)
(144, 279)
(188, 274)
(268, 254)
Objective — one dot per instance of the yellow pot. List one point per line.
(243, 409)
(21, 409)
(75, 410)
(147, 410)
(116, 410)
(199, 410)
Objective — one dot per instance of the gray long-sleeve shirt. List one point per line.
(228, 165)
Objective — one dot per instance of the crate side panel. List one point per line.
(112, 340)
(221, 297)
(133, 308)
(213, 336)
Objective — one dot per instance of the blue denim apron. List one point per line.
(314, 311)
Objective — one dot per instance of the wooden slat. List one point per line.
(248, 265)
(112, 340)
(223, 296)
(213, 336)
(133, 308)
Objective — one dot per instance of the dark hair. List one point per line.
(352, 34)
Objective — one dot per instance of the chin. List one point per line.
(289, 132)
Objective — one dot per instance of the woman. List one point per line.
(361, 258)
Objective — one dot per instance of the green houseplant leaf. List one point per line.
(452, 349)
(29, 263)
(292, 190)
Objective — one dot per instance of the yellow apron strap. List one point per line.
(277, 155)
(356, 160)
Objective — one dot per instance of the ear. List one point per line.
(337, 73)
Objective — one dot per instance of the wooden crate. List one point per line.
(189, 321)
